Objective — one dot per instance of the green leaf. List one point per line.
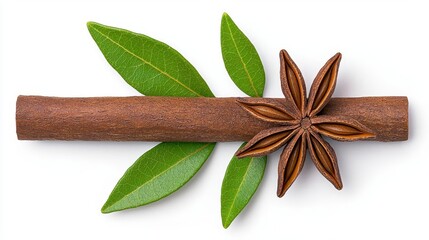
(157, 173)
(241, 180)
(156, 69)
(245, 68)
(241, 59)
(153, 68)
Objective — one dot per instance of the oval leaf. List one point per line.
(157, 173)
(151, 67)
(241, 180)
(241, 59)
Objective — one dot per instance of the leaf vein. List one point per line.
(241, 59)
(161, 173)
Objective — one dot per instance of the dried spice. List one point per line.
(300, 126)
(180, 110)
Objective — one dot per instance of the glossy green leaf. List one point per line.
(157, 173)
(153, 68)
(241, 180)
(241, 59)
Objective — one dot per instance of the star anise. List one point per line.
(299, 126)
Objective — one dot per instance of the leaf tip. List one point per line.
(225, 223)
(105, 209)
(91, 24)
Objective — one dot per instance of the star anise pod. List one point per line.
(299, 126)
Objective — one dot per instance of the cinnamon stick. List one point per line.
(182, 119)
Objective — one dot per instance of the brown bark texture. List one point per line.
(165, 119)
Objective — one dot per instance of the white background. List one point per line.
(54, 190)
